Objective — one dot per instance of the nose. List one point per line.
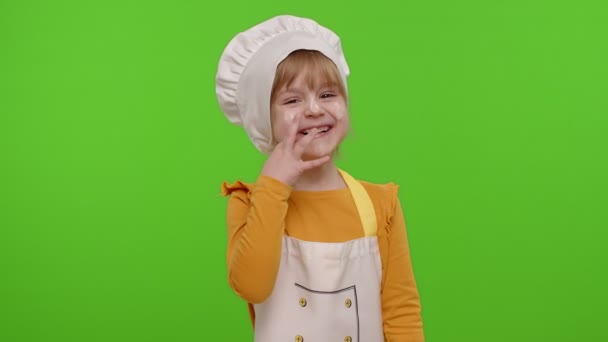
(314, 109)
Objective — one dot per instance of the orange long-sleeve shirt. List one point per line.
(259, 214)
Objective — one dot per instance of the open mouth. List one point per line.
(321, 130)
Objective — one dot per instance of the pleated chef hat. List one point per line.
(248, 65)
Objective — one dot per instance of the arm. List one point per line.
(400, 299)
(256, 222)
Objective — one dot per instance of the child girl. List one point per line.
(318, 255)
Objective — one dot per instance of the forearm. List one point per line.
(256, 225)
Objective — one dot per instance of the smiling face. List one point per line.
(309, 89)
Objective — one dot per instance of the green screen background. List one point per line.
(490, 115)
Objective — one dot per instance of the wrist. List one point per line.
(274, 184)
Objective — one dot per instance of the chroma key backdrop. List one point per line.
(490, 115)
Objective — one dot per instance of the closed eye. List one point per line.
(290, 101)
(327, 95)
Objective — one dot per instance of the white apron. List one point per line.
(327, 292)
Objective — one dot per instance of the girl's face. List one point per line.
(319, 106)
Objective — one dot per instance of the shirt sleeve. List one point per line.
(400, 299)
(256, 223)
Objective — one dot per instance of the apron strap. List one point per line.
(364, 204)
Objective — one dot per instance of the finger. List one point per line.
(311, 164)
(292, 131)
(301, 145)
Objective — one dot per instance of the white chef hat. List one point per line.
(248, 65)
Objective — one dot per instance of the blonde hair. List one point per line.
(319, 69)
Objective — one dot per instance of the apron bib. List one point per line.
(327, 291)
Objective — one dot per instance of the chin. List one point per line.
(316, 154)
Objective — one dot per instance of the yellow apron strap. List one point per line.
(364, 204)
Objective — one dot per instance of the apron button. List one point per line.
(302, 302)
(299, 338)
(348, 339)
(348, 303)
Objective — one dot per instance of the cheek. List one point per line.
(340, 112)
(275, 125)
(277, 130)
(280, 124)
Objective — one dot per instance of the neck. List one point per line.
(324, 177)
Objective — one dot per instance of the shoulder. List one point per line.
(385, 193)
(385, 198)
(263, 184)
(238, 193)
(238, 186)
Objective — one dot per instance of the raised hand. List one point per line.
(285, 163)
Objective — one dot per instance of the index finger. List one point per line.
(301, 145)
(292, 131)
